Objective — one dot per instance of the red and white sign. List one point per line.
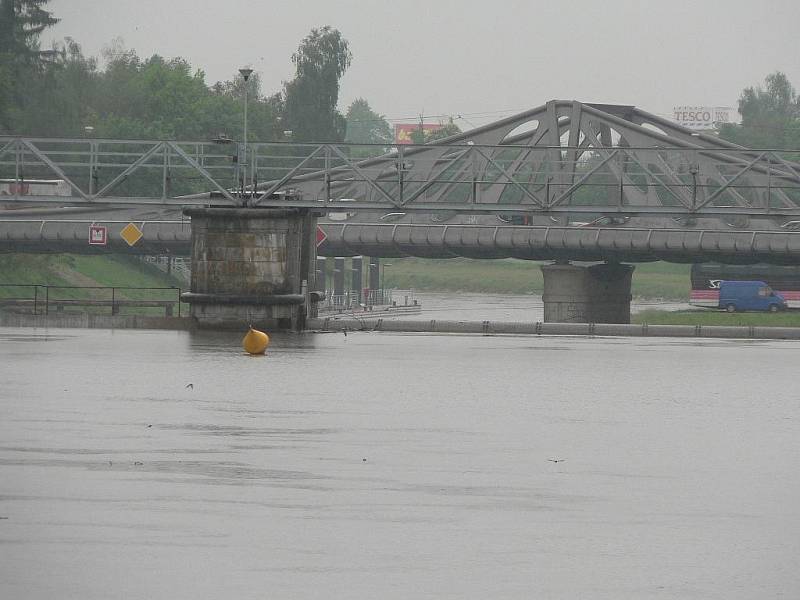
(321, 236)
(98, 235)
(403, 131)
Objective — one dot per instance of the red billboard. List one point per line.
(403, 131)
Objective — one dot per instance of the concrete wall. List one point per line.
(251, 266)
(92, 321)
(580, 294)
(531, 328)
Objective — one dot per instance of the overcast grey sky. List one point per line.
(480, 59)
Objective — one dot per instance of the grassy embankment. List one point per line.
(79, 270)
(651, 280)
(715, 317)
(509, 276)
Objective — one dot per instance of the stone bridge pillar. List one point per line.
(587, 294)
(252, 266)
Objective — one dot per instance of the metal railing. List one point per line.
(42, 298)
(355, 299)
(177, 266)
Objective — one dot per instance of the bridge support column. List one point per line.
(356, 271)
(252, 266)
(580, 294)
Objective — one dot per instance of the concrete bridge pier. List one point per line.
(356, 276)
(252, 266)
(587, 294)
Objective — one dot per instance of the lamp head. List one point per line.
(245, 72)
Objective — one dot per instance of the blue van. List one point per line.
(749, 295)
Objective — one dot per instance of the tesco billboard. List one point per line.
(703, 117)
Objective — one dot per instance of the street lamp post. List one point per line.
(245, 72)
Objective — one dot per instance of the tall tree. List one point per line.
(365, 126)
(311, 97)
(58, 101)
(770, 116)
(421, 136)
(21, 22)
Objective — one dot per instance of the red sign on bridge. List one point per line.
(321, 236)
(98, 235)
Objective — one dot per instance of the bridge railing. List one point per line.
(504, 178)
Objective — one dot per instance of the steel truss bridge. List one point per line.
(564, 180)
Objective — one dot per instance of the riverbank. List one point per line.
(510, 276)
(504, 276)
(706, 317)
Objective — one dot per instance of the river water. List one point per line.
(380, 465)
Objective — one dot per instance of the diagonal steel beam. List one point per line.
(586, 176)
(431, 182)
(730, 182)
(130, 169)
(624, 178)
(786, 164)
(366, 177)
(192, 162)
(525, 190)
(784, 197)
(8, 146)
(56, 169)
(667, 186)
(279, 184)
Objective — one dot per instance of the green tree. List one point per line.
(770, 116)
(58, 100)
(446, 130)
(421, 136)
(310, 99)
(263, 113)
(21, 22)
(365, 126)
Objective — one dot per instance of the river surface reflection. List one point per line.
(151, 464)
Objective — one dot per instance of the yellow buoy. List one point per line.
(255, 341)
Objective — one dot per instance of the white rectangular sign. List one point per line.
(703, 117)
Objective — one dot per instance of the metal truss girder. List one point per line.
(288, 177)
(730, 182)
(13, 143)
(359, 171)
(54, 167)
(429, 184)
(559, 147)
(130, 169)
(586, 176)
(511, 179)
(189, 160)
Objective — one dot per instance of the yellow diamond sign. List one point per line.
(131, 234)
